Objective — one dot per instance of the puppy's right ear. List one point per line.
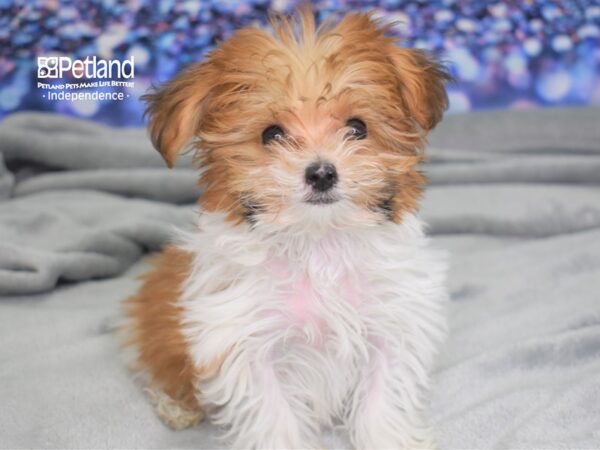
(174, 109)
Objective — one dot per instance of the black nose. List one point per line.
(321, 176)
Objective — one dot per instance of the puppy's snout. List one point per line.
(322, 176)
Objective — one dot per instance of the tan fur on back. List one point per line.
(153, 328)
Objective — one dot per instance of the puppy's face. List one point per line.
(306, 127)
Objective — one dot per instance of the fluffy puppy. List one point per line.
(305, 296)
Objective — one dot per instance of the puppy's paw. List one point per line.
(172, 413)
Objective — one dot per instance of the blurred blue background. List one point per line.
(515, 54)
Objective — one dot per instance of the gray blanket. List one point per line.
(514, 197)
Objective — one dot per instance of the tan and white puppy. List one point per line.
(306, 293)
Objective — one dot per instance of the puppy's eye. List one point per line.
(358, 129)
(273, 132)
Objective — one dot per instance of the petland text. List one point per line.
(90, 67)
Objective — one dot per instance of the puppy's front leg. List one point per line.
(258, 408)
(385, 410)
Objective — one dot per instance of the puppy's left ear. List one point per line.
(422, 84)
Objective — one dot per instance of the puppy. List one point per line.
(305, 296)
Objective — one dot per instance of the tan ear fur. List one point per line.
(174, 109)
(422, 83)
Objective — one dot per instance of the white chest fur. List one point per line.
(305, 321)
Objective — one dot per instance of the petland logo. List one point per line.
(95, 80)
(90, 67)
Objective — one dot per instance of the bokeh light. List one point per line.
(503, 54)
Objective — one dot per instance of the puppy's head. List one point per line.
(306, 126)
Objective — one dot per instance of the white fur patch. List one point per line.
(340, 324)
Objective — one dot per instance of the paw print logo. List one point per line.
(47, 67)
